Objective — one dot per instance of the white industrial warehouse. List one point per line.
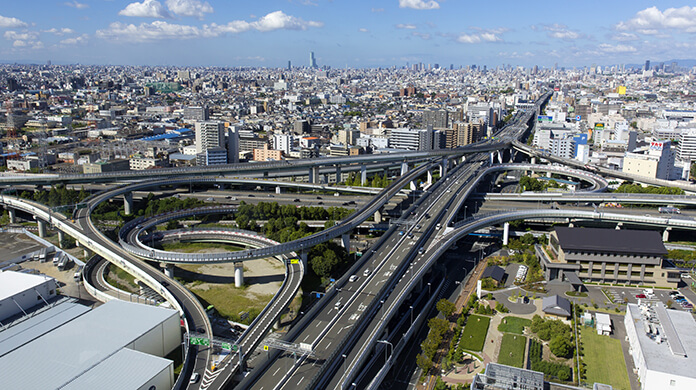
(118, 345)
(663, 346)
(22, 291)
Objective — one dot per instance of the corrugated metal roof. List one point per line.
(126, 369)
(38, 325)
(56, 358)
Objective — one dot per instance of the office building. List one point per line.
(663, 346)
(657, 163)
(282, 142)
(302, 127)
(196, 113)
(686, 150)
(411, 139)
(212, 156)
(106, 166)
(647, 65)
(233, 144)
(608, 256)
(312, 60)
(348, 137)
(435, 119)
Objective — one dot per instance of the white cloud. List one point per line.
(419, 4)
(75, 41)
(624, 37)
(192, 8)
(406, 26)
(651, 20)
(424, 36)
(6, 22)
(77, 5)
(377, 10)
(478, 38)
(561, 31)
(146, 9)
(607, 48)
(60, 31)
(364, 30)
(159, 30)
(28, 39)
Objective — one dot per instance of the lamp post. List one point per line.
(429, 288)
(385, 350)
(411, 308)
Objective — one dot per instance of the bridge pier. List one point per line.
(404, 168)
(506, 232)
(13, 215)
(168, 269)
(463, 159)
(128, 203)
(665, 234)
(61, 237)
(313, 175)
(492, 159)
(378, 217)
(86, 253)
(500, 157)
(42, 228)
(363, 174)
(277, 190)
(345, 242)
(304, 259)
(412, 185)
(338, 174)
(430, 177)
(533, 160)
(238, 275)
(619, 225)
(444, 165)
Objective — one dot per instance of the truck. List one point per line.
(669, 210)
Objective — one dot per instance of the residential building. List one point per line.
(107, 166)
(657, 163)
(435, 119)
(411, 139)
(266, 154)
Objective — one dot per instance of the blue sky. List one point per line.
(353, 33)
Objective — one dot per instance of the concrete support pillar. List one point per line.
(412, 185)
(442, 171)
(314, 175)
(345, 242)
(378, 217)
(500, 156)
(61, 237)
(128, 203)
(304, 258)
(265, 173)
(386, 172)
(404, 168)
(42, 228)
(445, 166)
(533, 160)
(363, 175)
(13, 215)
(238, 275)
(430, 178)
(506, 233)
(571, 225)
(168, 269)
(277, 190)
(548, 174)
(463, 159)
(491, 158)
(86, 253)
(338, 174)
(665, 234)
(619, 225)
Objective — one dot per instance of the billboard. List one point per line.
(599, 126)
(621, 90)
(544, 118)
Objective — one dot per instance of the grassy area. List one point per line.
(230, 302)
(512, 350)
(121, 279)
(511, 324)
(194, 247)
(604, 359)
(474, 333)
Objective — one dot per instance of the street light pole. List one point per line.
(429, 289)
(411, 308)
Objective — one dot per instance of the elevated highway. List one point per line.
(569, 197)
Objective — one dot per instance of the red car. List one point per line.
(641, 296)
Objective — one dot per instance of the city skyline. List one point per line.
(358, 34)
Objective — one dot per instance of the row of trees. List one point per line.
(377, 181)
(268, 210)
(639, 189)
(559, 370)
(533, 184)
(56, 196)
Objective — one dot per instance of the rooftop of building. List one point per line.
(674, 347)
(624, 241)
(12, 283)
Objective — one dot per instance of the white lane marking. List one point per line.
(276, 371)
(300, 381)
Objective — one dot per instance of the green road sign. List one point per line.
(199, 341)
(229, 347)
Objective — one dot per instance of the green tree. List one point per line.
(424, 362)
(445, 307)
(561, 345)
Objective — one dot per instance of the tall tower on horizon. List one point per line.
(312, 60)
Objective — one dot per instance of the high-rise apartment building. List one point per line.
(196, 113)
(411, 139)
(435, 119)
(312, 60)
(282, 142)
(210, 135)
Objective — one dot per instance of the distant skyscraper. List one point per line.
(312, 60)
(647, 65)
(289, 65)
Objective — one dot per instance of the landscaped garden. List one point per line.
(604, 359)
(512, 350)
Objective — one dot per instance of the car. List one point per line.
(673, 293)
(194, 378)
(228, 197)
(320, 203)
(366, 272)
(211, 199)
(271, 196)
(640, 296)
(353, 278)
(418, 226)
(338, 305)
(296, 200)
(410, 235)
(319, 197)
(421, 251)
(401, 232)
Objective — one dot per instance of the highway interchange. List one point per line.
(344, 328)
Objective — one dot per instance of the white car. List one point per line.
(194, 378)
(353, 278)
